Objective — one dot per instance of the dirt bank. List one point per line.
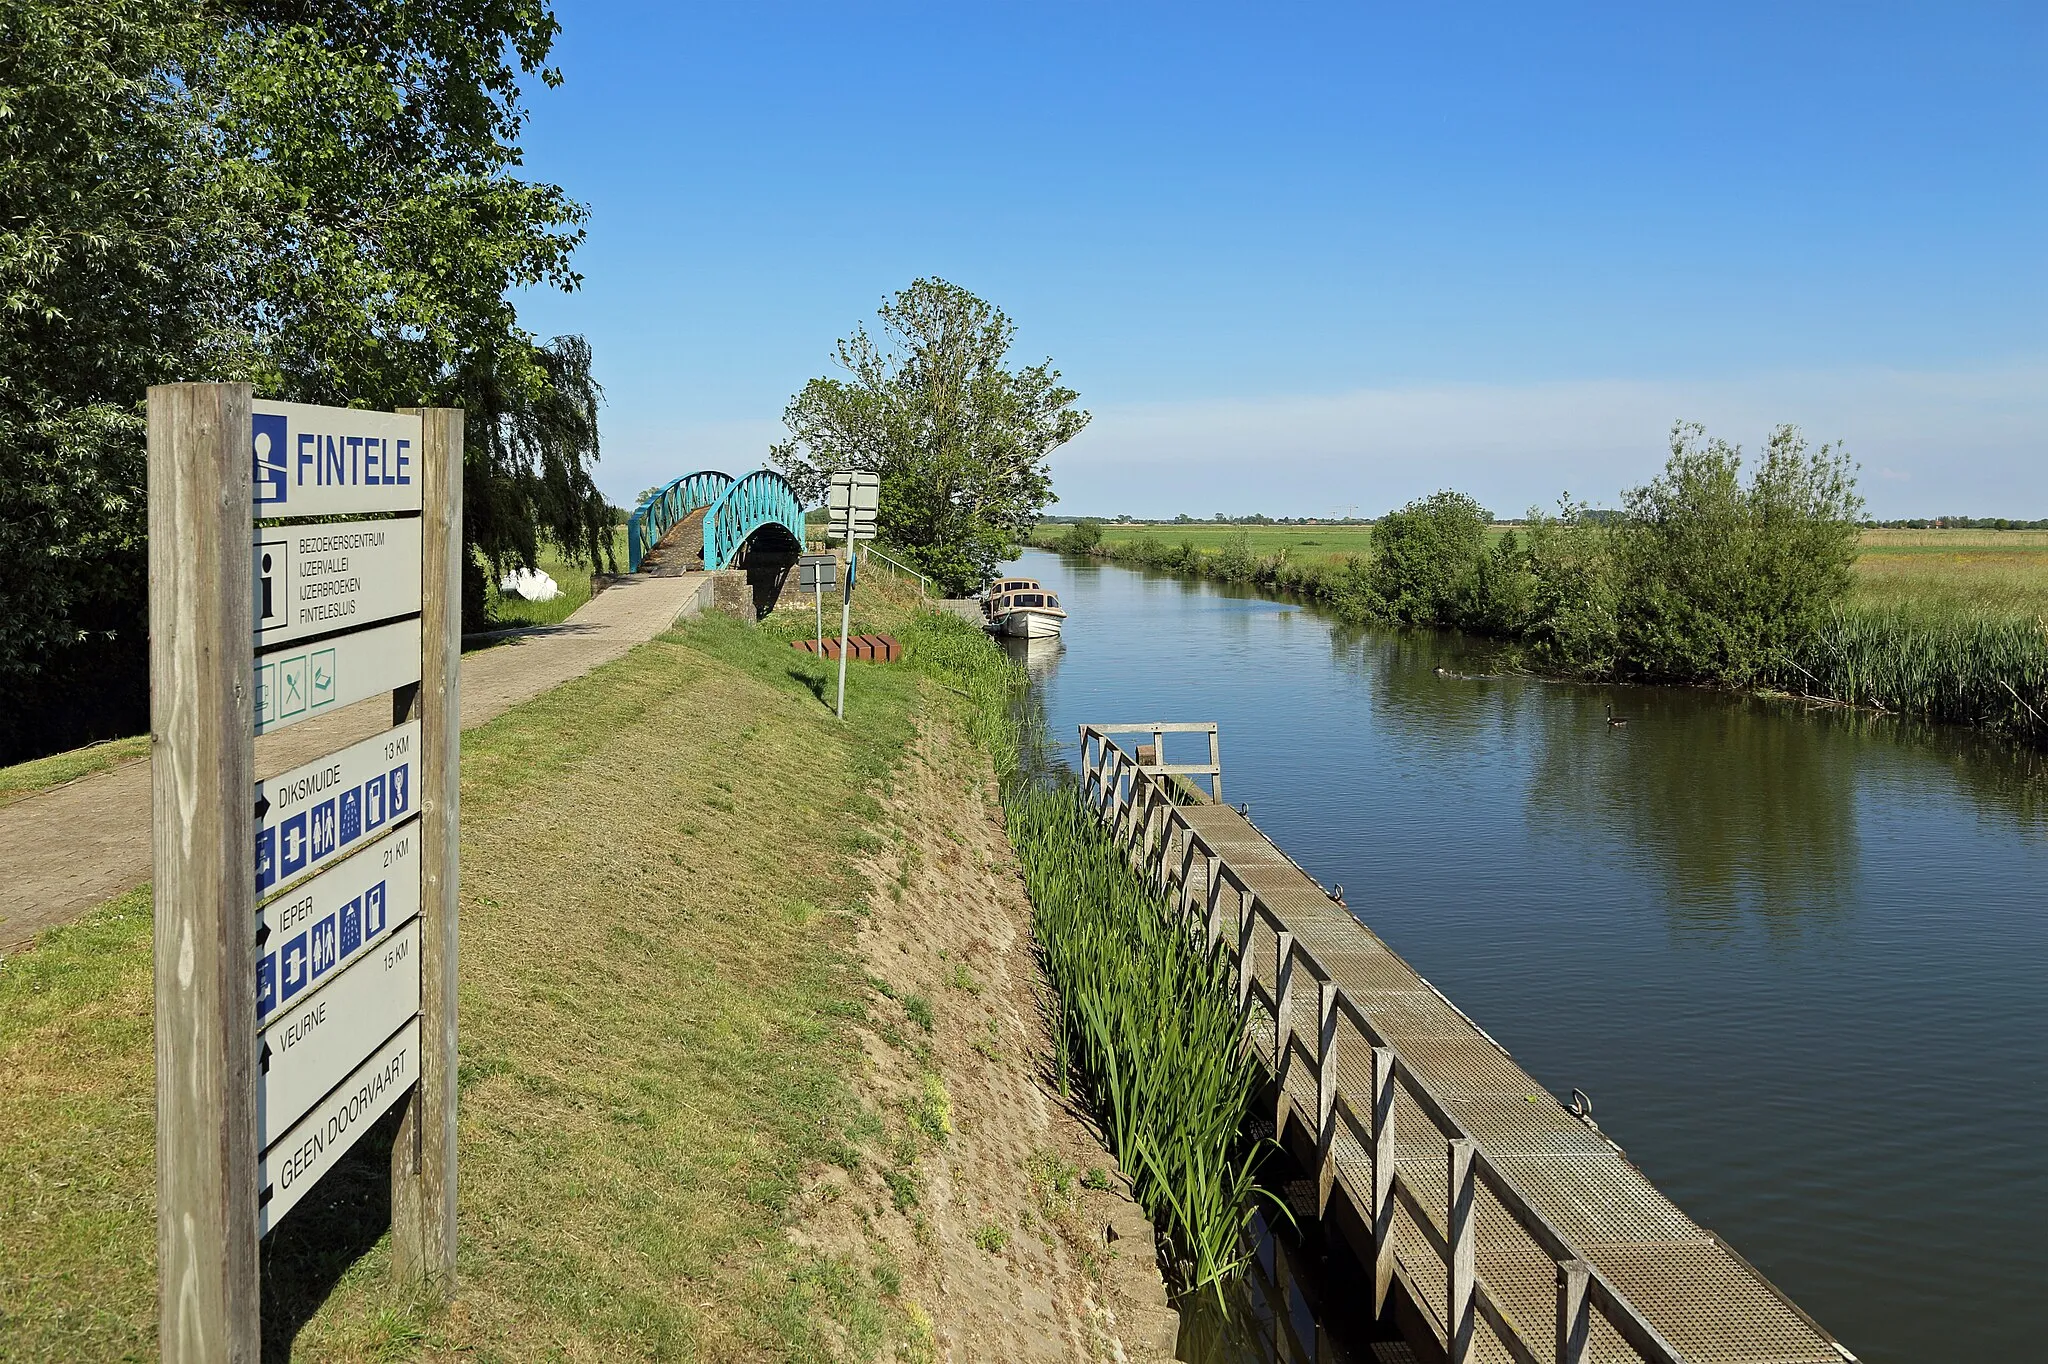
(1014, 1234)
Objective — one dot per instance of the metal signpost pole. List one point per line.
(202, 695)
(845, 621)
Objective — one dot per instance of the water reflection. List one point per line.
(1740, 815)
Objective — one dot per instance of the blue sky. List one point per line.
(1301, 258)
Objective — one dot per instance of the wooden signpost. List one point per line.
(305, 924)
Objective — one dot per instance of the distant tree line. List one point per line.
(319, 198)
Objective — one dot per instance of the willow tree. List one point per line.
(958, 437)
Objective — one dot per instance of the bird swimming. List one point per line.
(1615, 721)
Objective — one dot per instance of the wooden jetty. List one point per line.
(1494, 1222)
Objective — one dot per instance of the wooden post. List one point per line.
(1246, 974)
(1283, 1027)
(1212, 919)
(202, 773)
(1574, 1316)
(423, 1160)
(1216, 762)
(1382, 1177)
(1326, 1092)
(1461, 1264)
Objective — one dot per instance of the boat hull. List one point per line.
(1025, 623)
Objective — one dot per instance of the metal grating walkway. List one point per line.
(1705, 1302)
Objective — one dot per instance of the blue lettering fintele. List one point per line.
(307, 457)
(355, 458)
(371, 472)
(404, 461)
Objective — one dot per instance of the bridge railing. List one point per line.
(1137, 804)
(666, 506)
(761, 498)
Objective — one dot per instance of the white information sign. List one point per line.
(307, 817)
(317, 579)
(294, 1163)
(333, 461)
(319, 1038)
(307, 934)
(297, 682)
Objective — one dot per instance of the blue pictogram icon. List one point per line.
(325, 952)
(266, 984)
(268, 440)
(324, 841)
(266, 858)
(401, 777)
(352, 925)
(373, 911)
(373, 803)
(351, 815)
(292, 846)
(295, 964)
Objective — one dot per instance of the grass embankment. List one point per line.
(40, 774)
(1148, 1030)
(1943, 625)
(661, 1013)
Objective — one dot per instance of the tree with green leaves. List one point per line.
(959, 438)
(318, 197)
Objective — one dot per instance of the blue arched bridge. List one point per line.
(734, 511)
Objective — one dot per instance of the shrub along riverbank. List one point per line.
(1703, 578)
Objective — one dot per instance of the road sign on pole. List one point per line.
(852, 499)
(334, 1001)
(815, 573)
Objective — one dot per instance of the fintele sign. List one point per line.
(330, 461)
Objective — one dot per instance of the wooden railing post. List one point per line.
(1216, 766)
(1212, 920)
(1283, 1027)
(1383, 1122)
(1246, 922)
(1461, 1263)
(1326, 1093)
(1574, 1312)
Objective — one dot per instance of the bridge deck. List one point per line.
(1702, 1298)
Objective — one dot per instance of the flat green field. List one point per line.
(1989, 569)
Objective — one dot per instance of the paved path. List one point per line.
(66, 850)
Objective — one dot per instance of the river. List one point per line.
(1799, 960)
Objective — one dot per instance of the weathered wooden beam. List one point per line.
(1461, 1262)
(202, 722)
(423, 1178)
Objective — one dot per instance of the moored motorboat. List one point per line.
(1022, 609)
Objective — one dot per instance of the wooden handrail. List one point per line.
(1116, 787)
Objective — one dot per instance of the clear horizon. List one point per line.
(1301, 259)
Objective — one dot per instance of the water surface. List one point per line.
(1798, 959)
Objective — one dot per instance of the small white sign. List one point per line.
(307, 934)
(307, 817)
(296, 1162)
(320, 1037)
(333, 461)
(315, 580)
(297, 682)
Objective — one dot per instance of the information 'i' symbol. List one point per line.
(268, 610)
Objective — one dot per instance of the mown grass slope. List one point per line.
(657, 996)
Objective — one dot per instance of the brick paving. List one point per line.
(68, 849)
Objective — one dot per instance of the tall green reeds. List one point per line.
(1147, 1032)
(1940, 662)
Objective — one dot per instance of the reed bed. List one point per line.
(1939, 662)
(1147, 1031)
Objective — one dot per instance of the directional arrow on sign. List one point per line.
(262, 934)
(262, 806)
(264, 1060)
